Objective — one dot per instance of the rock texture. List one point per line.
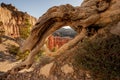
(55, 42)
(96, 21)
(12, 20)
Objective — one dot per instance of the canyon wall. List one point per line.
(55, 42)
(12, 20)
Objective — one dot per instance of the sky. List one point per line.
(38, 7)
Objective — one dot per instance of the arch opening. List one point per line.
(59, 37)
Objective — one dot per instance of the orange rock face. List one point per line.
(12, 20)
(55, 42)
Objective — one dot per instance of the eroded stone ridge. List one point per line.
(11, 20)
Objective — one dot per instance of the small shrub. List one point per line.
(1, 23)
(12, 49)
(22, 56)
(25, 55)
(101, 56)
(25, 29)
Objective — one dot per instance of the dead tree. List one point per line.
(91, 12)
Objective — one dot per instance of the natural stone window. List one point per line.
(60, 37)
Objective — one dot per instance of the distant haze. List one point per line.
(67, 27)
(65, 32)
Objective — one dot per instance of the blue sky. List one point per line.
(37, 7)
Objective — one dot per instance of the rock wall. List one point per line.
(55, 42)
(11, 20)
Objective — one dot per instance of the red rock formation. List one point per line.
(55, 42)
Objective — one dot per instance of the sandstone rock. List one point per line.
(45, 70)
(67, 69)
(12, 20)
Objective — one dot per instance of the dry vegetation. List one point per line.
(101, 56)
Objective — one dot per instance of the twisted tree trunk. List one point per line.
(92, 19)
